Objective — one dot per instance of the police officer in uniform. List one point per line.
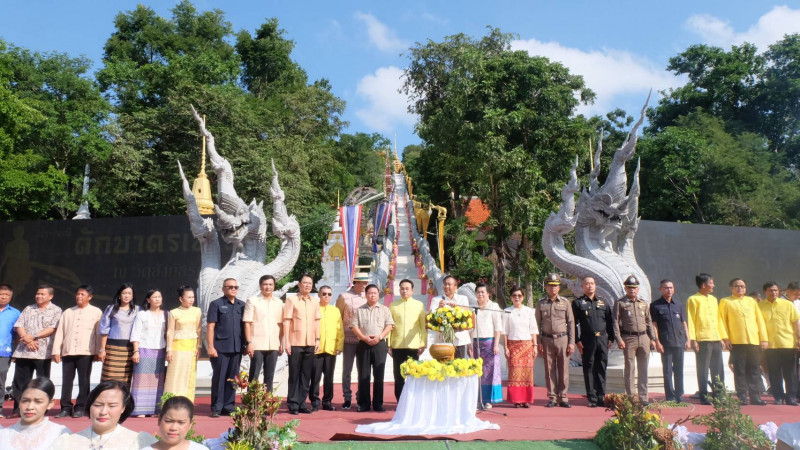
(557, 343)
(594, 333)
(633, 329)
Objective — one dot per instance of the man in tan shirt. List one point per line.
(633, 329)
(348, 302)
(557, 329)
(263, 330)
(75, 345)
(371, 324)
(301, 316)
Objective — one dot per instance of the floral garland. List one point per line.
(438, 371)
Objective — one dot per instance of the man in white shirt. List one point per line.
(452, 299)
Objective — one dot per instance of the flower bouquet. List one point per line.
(449, 320)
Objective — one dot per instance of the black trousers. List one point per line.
(69, 365)
(782, 365)
(225, 367)
(301, 369)
(595, 360)
(324, 365)
(672, 368)
(746, 370)
(399, 356)
(266, 359)
(23, 374)
(371, 357)
(709, 358)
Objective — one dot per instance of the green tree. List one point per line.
(51, 124)
(701, 173)
(497, 124)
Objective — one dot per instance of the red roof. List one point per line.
(477, 213)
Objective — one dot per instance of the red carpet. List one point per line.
(535, 423)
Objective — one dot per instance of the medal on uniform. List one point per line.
(629, 313)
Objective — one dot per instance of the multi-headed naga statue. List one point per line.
(243, 227)
(605, 222)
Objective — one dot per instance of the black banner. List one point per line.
(150, 252)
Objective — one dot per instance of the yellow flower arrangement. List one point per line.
(438, 371)
(449, 320)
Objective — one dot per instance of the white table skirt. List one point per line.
(434, 407)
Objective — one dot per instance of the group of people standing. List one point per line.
(133, 342)
(763, 337)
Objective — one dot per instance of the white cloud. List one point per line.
(380, 35)
(770, 28)
(610, 73)
(385, 108)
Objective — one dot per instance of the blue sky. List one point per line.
(620, 47)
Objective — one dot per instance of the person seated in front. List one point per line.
(174, 421)
(34, 430)
(109, 404)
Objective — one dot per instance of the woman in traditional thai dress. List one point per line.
(520, 337)
(149, 338)
(486, 344)
(110, 403)
(34, 431)
(116, 349)
(183, 345)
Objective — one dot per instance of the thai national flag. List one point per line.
(350, 220)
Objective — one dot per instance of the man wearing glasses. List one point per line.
(331, 343)
(263, 330)
(225, 335)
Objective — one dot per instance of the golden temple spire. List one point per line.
(202, 186)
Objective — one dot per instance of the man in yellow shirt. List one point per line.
(331, 343)
(783, 332)
(409, 337)
(743, 330)
(702, 321)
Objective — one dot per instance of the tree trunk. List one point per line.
(499, 273)
(527, 277)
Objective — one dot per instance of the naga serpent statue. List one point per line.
(244, 228)
(605, 221)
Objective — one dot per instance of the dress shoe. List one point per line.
(565, 405)
(362, 409)
(346, 404)
(678, 400)
(328, 408)
(757, 401)
(601, 403)
(791, 402)
(592, 404)
(552, 404)
(743, 401)
(294, 412)
(62, 414)
(705, 401)
(214, 413)
(304, 410)
(77, 414)
(314, 408)
(378, 409)
(779, 401)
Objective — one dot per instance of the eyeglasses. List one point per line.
(231, 287)
(326, 294)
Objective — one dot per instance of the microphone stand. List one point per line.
(477, 348)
